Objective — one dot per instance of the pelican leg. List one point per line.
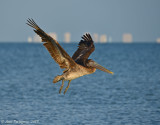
(61, 87)
(67, 86)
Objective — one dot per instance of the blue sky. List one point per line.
(141, 18)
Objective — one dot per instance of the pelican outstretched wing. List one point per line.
(56, 51)
(85, 48)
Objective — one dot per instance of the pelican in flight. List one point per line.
(74, 67)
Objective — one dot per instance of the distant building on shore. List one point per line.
(110, 39)
(95, 37)
(158, 40)
(127, 38)
(67, 37)
(29, 39)
(103, 38)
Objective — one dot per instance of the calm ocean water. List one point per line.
(129, 97)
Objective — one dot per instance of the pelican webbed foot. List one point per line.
(67, 86)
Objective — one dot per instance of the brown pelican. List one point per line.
(77, 66)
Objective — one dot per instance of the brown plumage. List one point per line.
(85, 48)
(76, 66)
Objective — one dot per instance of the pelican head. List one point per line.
(93, 64)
